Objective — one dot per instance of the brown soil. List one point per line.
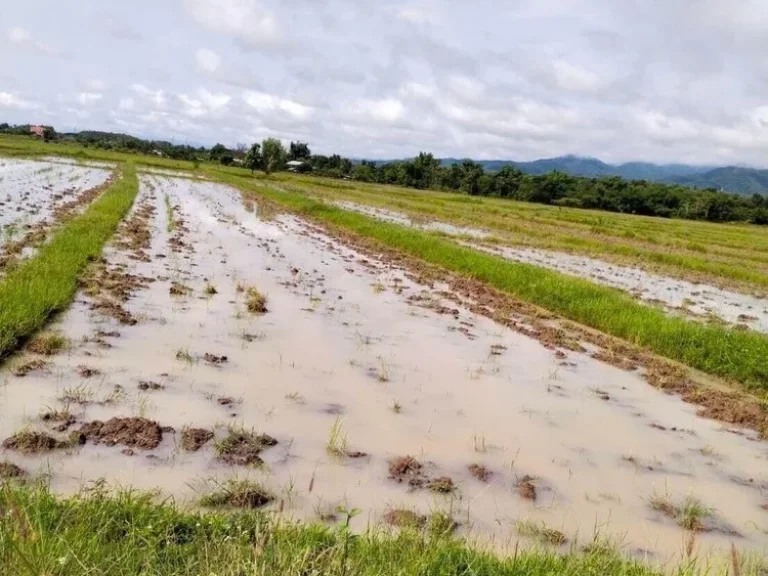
(33, 443)
(441, 485)
(132, 432)
(407, 469)
(243, 448)
(480, 472)
(63, 420)
(214, 359)
(192, 439)
(10, 470)
(87, 372)
(30, 366)
(149, 385)
(404, 518)
(526, 488)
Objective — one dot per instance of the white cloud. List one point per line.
(9, 100)
(247, 20)
(88, 98)
(206, 104)
(155, 97)
(96, 85)
(18, 35)
(264, 103)
(127, 104)
(207, 60)
(388, 110)
(214, 101)
(413, 14)
(574, 78)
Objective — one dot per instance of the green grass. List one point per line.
(46, 283)
(732, 354)
(127, 534)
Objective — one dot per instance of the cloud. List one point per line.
(207, 60)
(18, 35)
(246, 20)
(520, 79)
(12, 101)
(267, 103)
(88, 98)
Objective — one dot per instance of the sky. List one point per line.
(621, 80)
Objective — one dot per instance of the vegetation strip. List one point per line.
(733, 354)
(45, 284)
(126, 534)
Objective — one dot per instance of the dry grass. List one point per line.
(255, 301)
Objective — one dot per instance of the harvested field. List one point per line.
(37, 195)
(503, 429)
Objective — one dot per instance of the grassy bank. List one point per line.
(126, 534)
(704, 251)
(716, 350)
(46, 283)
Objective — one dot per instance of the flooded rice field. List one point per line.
(212, 344)
(696, 300)
(36, 194)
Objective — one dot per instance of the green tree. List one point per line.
(273, 155)
(470, 177)
(49, 134)
(299, 151)
(253, 157)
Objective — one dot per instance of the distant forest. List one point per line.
(610, 193)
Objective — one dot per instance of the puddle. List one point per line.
(700, 301)
(347, 376)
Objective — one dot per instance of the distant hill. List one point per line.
(746, 181)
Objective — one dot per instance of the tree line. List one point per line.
(610, 193)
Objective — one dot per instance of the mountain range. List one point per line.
(735, 179)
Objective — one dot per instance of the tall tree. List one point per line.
(470, 177)
(273, 155)
(299, 151)
(253, 157)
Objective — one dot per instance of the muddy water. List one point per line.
(677, 296)
(31, 190)
(341, 343)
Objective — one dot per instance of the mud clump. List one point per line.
(132, 432)
(33, 443)
(404, 518)
(480, 472)
(526, 487)
(149, 385)
(192, 439)
(62, 419)
(243, 448)
(407, 469)
(178, 289)
(87, 371)
(214, 358)
(441, 485)
(30, 366)
(9, 470)
(238, 494)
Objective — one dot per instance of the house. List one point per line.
(295, 165)
(37, 131)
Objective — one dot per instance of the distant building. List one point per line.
(37, 131)
(295, 165)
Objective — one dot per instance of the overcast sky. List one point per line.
(658, 80)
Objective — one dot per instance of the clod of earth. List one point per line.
(87, 372)
(243, 448)
(404, 518)
(192, 439)
(407, 468)
(30, 366)
(214, 359)
(177, 289)
(63, 418)
(10, 470)
(480, 472)
(149, 385)
(526, 487)
(225, 401)
(47, 344)
(132, 432)
(441, 485)
(238, 494)
(28, 442)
